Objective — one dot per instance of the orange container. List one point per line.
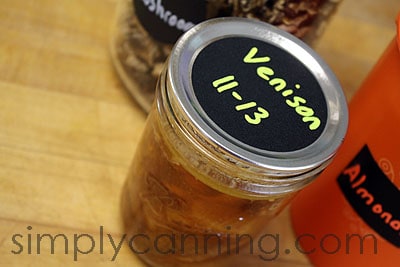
(350, 216)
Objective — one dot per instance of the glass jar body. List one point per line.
(175, 211)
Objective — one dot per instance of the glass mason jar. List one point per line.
(246, 115)
(146, 30)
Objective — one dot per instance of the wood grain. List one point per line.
(68, 129)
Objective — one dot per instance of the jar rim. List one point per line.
(183, 100)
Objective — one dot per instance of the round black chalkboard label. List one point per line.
(167, 20)
(259, 94)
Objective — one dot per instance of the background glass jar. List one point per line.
(227, 143)
(146, 30)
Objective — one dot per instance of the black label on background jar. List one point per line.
(259, 94)
(372, 195)
(167, 20)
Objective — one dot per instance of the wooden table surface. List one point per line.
(68, 128)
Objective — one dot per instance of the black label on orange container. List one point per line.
(166, 20)
(259, 94)
(372, 195)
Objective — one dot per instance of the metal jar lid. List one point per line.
(257, 93)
